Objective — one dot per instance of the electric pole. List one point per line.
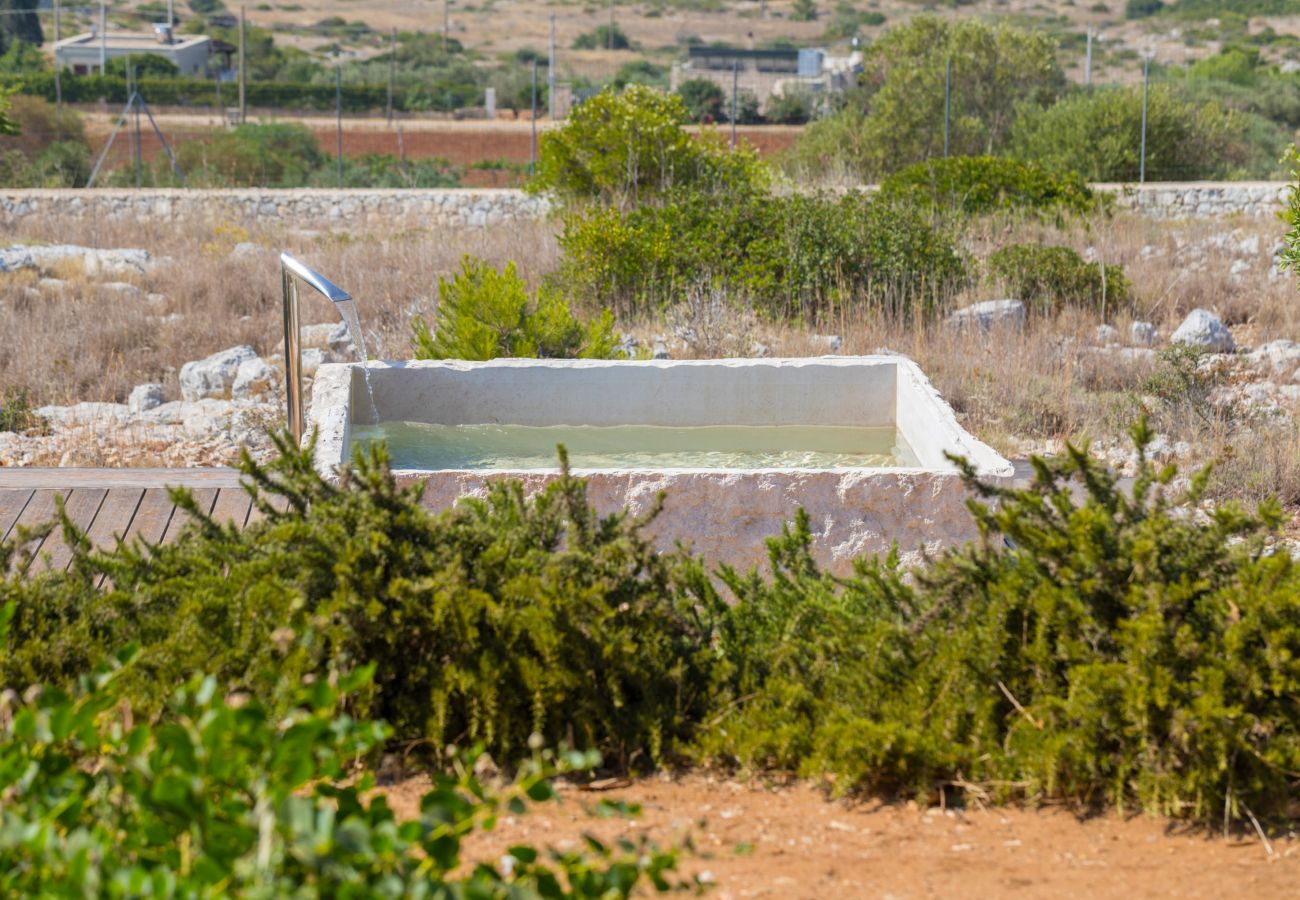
(243, 65)
(550, 72)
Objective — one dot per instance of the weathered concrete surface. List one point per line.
(725, 514)
(442, 207)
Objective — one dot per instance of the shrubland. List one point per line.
(1097, 645)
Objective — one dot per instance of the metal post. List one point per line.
(292, 353)
(947, 107)
(446, 27)
(609, 35)
(532, 146)
(392, 67)
(58, 79)
(171, 13)
(290, 270)
(243, 66)
(103, 37)
(1087, 61)
(338, 118)
(137, 154)
(735, 86)
(550, 72)
(1146, 79)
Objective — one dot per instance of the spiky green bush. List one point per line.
(1116, 650)
(1052, 278)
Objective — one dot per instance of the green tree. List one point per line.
(626, 148)
(997, 72)
(704, 99)
(603, 37)
(803, 11)
(1099, 135)
(19, 22)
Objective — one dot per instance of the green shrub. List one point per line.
(704, 99)
(223, 799)
(1142, 9)
(629, 148)
(800, 256)
(603, 37)
(256, 155)
(483, 314)
(500, 619)
(792, 107)
(1049, 278)
(1098, 135)
(1113, 650)
(977, 185)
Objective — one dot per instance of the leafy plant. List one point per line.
(222, 799)
(704, 99)
(603, 37)
(627, 148)
(1109, 650)
(1049, 278)
(502, 618)
(483, 314)
(977, 185)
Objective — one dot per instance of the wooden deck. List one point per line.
(112, 503)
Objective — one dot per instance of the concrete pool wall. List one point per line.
(724, 514)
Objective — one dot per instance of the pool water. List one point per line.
(417, 445)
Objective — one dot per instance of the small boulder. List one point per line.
(1202, 328)
(1276, 357)
(122, 289)
(145, 397)
(340, 342)
(1143, 334)
(831, 343)
(988, 315)
(254, 378)
(96, 414)
(214, 376)
(247, 250)
(1107, 335)
(312, 359)
(660, 351)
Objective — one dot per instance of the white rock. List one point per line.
(247, 250)
(122, 289)
(1239, 267)
(254, 378)
(312, 359)
(52, 285)
(340, 342)
(1202, 328)
(829, 342)
(1275, 357)
(1143, 334)
(989, 314)
(98, 414)
(165, 414)
(213, 376)
(1107, 335)
(660, 351)
(145, 397)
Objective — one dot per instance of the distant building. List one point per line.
(768, 73)
(85, 53)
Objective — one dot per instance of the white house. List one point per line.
(87, 52)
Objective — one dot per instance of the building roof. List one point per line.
(133, 41)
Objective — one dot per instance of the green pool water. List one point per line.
(415, 445)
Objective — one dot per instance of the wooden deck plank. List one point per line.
(39, 510)
(204, 497)
(12, 503)
(232, 506)
(33, 477)
(114, 518)
(81, 505)
(152, 516)
(278, 502)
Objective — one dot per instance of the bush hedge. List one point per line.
(1127, 648)
(977, 185)
(1050, 278)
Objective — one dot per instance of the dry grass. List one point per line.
(1023, 391)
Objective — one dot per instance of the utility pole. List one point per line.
(947, 108)
(338, 118)
(103, 37)
(139, 146)
(446, 27)
(243, 65)
(550, 72)
(609, 35)
(1146, 80)
(735, 85)
(392, 68)
(1087, 61)
(58, 80)
(532, 147)
(171, 13)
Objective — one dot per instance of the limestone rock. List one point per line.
(989, 314)
(97, 414)
(254, 378)
(1107, 335)
(1202, 328)
(1275, 357)
(831, 343)
(145, 397)
(214, 376)
(312, 359)
(1143, 334)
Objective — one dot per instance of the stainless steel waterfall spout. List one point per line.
(291, 272)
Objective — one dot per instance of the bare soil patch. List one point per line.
(791, 841)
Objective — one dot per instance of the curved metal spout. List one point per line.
(293, 270)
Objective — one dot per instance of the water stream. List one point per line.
(348, 310)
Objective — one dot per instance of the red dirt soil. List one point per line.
(792, 842)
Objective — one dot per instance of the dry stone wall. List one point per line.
(453, 207)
